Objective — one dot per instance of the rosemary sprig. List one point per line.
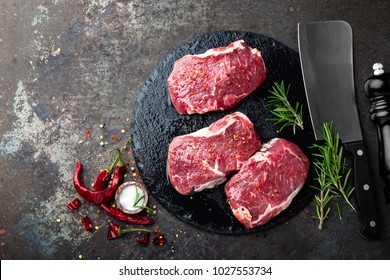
(325, 194)
(137, 199)
(283, 112)
(335, 163)
(332, 174)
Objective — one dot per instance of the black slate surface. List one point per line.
(156, 122)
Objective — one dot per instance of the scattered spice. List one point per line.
(159, 240)
(74, 204)
(87, 223)
(115, 138)
(100, 193)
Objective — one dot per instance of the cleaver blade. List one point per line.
(326, 55)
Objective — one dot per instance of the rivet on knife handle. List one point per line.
(365, 192)
(377, 89)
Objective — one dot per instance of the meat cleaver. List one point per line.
(325, 50)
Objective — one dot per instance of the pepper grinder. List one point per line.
(377, 89)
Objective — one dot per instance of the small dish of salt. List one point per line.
(131, 197)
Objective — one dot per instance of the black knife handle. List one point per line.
(365, 192)
(377, 89)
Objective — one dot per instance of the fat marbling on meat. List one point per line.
(267, 183)
(217, 79)
(203, 159)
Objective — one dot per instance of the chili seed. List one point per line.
(159, 240)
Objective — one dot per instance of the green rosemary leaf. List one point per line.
(327, 213)
(282, 111)
(138, 198)
(279, 109)
(331, 168)
(340, 211)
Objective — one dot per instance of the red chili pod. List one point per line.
(119, 215)
(102, 180)
(87, 223)
(97, 197)
(73, 205)
(113, 231)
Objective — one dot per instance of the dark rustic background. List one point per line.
(69, 66)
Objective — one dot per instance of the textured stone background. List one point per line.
(69, 66)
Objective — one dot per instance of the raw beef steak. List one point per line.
(203, 159)
(267, 182)
(217, 79)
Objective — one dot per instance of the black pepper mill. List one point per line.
(377, 89)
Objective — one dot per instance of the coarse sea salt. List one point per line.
(128, 194)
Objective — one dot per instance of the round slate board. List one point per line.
(156, 122)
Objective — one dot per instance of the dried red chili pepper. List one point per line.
(159, 240)
(104, 176)
(102, 196)
(87, 223)
(74, 204)
(102, 179)
(144, 241)
(115, 231)
(127, 218)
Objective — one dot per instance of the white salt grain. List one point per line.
(128, 197)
